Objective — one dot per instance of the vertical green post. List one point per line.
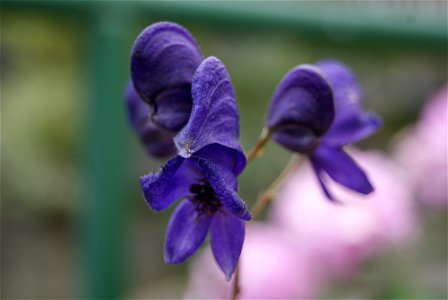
(106, 211)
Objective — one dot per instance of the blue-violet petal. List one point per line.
(186, 231)
(156, 140)
(171, 183)
(226, 238)
(223, 189)
(341, 168)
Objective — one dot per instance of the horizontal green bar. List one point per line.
(394, 21)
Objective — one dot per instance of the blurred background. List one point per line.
(73, 221)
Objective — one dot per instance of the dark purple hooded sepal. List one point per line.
(351, 123)
(301, 110)
(156, 140)
(163, 61)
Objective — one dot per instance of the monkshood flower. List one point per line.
(316, 111)
(157, 141)
(163, 61)
(204, 173)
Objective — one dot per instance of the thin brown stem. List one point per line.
(258, 149)
(263, 201)
(269, 194)
(236, 284)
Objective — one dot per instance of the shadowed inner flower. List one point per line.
(204, 198)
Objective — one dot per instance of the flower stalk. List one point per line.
(258, 149)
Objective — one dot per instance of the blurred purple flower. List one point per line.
(156, 140)
(316, 111)
(204, 172)
(163, 61)
(273, 266)
(356, 230)
(422, 150)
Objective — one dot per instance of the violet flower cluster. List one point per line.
(194, 100)
(183, 106)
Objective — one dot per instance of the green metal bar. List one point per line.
(419, 23)
(422, 22)
(106, 220)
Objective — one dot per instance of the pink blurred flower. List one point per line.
(422, 150)
(343, 235)
(273, 266)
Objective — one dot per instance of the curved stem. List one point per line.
(258, 149)
(265, 199)
(269, 194)
(236, 284)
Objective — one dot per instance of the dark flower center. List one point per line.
(204, 198)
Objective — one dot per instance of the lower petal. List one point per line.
(318, 170)
(227, 237)
(341, 168)
(186, 231)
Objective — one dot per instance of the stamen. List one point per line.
(205, 199)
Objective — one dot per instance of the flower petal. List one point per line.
(302, 104)
(341, 168)
(157, 141)
(346, 89)
(171, 183)
(227, 237)
(225, 189)
(186, 231)
(163, 61)
(319, 174)
(137, 110)
(214, 117)
(351, 123)
(231, 161)
(352, 128)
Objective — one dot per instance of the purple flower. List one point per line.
(156, 140)
(204, 173)
(163, 61)
(316, 110)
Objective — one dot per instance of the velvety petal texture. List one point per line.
(157, 141)
(351, 123)
(186, 232)
(223, 189)
(171, 183)
(163, 61)
(341, 168)
(214, 117)
(301, 110)
(352, 128)
(227, 237)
